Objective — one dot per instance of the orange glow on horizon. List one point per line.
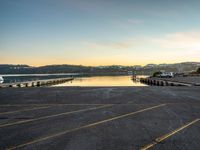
(39, 63)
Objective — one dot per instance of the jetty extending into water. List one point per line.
(177, 81)
(37, 83)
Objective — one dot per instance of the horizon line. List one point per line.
(102, 65)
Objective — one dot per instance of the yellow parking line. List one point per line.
(37, 105)
(160, 139)
(29, 109)
(80, 104)
(56, 115)
(86, 126)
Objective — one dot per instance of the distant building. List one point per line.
(163, 65)
(130, 72)
(150, 66)
(137, 67)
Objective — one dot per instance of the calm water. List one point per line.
(78, 81)
(103, 81)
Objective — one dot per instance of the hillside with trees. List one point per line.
(115, 69)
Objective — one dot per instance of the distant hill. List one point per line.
(115, 69)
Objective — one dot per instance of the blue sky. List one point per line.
(99, 32)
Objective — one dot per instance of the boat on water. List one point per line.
(1, 79)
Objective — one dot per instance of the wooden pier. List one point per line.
(36, 83)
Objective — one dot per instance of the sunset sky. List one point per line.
(99, 32)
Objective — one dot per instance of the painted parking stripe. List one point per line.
(23, 110)
(164, 137)
(37, 105)
(51, 116)
(92, 104)
(86, 126)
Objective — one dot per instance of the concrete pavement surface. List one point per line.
(100, 118)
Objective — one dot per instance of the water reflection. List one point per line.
(103, 81)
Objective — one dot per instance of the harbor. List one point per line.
(99, 75)
(118, 80)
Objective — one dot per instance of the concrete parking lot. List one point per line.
(100, 118)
